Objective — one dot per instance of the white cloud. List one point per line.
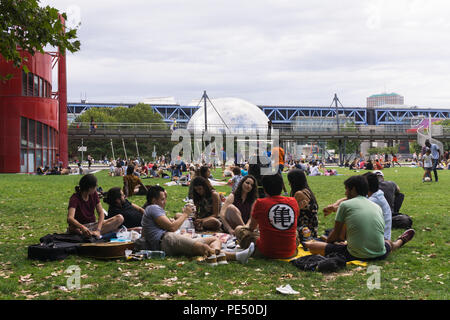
(268, 52)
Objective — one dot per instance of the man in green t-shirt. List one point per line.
(360, 223)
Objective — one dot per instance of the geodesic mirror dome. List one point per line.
(229, 115)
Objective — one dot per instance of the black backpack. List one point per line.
(401, 221)
(330, 263)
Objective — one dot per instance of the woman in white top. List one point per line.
(315, 170)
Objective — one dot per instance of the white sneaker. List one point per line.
(222, 258)
(212, 260)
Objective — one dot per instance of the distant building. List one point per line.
(377, 100)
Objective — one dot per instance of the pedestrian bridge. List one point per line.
(286, 132)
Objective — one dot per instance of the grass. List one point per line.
(33, 206)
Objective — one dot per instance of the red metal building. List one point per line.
(33, 119)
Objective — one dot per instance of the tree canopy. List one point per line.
(140, 113)
(27, 26)
(99, 148)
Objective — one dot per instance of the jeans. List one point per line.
(434, 168)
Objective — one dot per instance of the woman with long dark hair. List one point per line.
(306, 201)
(81, 216)
(238, 206)
(207, 202)
(130, 182)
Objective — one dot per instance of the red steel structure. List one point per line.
(33, 119)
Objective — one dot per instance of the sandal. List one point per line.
(407, 236)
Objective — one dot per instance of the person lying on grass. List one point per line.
(159, 233)
(358, 232)
(81, 215)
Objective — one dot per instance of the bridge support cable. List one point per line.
(124, 150)
(335, 101)
(112, 150)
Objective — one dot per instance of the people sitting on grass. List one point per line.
(153, 172)
(391, 192)
(131, 183)
(377, 196)
(81, 216)
(306, 201)
(118, 204)
(276, 218)
(354, 165)
(237, 207)
(369, 165)
(315, 169)
(378, 165)
(207, 202)
(159, 233)
(118, 171)
(358, 232)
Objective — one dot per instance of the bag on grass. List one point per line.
(331, 263)
(57, 246)
(52, 251)
(401, 221)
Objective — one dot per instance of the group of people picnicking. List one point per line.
(264, 222)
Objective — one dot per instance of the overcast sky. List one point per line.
(264, 51)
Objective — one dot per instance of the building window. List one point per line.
(31, 133)
(38, 135)
(23, 160)
(37, 146)
(36, 86)
(24, 83)
(30, 84)
(45, 140)
(41, 87)
(23, 132)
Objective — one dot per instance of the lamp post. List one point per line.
(335, 100)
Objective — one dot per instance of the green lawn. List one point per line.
(33, 206)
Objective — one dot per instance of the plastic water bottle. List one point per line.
(149, 254)
(157, 255)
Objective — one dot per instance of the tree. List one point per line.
(98, 148)
(24, 25)
(351, 146)
(140, 113)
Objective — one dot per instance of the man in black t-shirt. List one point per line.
(391, 192)
(118, 204)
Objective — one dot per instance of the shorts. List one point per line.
(174, 244)
(342, 249)
(92, 226)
